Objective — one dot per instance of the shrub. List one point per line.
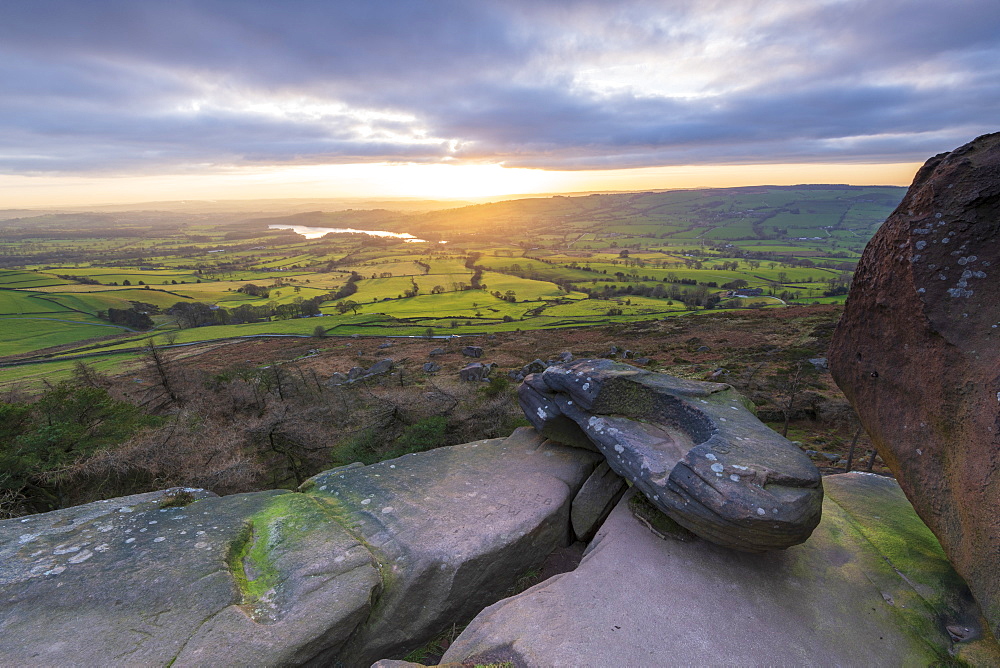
(423, 435)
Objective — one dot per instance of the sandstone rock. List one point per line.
(262, 578)
(872, 587)
(336, 378)
(472, 351)
(453, 528)
(437, 351)
(917, 353)
(565, 356)
(380, 367)
(693, 448)
(820, 363)
(477, 371)
(355, 372)
(365, 562)
(431, 367)
(536, 366)
(594, 501)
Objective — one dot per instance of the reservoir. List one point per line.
(317, 232)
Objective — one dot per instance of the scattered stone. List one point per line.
(336, 378)
(536, 366)
(476, 371)
(431, 367)
(355, 372)
(387, 344)
(693, 448)
(820, 363)
(380, 367)
(827, 456)
(917, 354)
(565, 356)
(437, 351)
(717, 375)
(472, 351)
(641, 361)
(704, 349)
(870, 587)
(515, 375)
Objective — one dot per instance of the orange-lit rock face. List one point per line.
(918, 354)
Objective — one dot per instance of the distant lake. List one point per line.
(317, 232)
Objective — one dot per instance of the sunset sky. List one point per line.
(104, 101)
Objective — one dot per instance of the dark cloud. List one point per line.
(136, 86)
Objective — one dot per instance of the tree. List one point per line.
(347, 305)
(159, 363)
(319, 332)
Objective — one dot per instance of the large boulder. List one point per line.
(871, 587)
(249, 579)
(917, 353)
(365, 562)
(693, 448)
(452, 528)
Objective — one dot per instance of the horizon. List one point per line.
(110, 102)
(445, 201)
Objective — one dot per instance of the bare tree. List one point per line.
(159, 364)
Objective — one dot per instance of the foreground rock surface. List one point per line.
(917, 353)
(452, 529)
(871, 587)
(366, 562)
(693, 448)
(128, 582)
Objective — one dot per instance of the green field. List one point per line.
(544, 262)
(20, 335)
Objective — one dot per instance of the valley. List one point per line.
(102, 285)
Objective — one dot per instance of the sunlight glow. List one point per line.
(424, 181)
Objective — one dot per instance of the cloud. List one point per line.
(144, 87)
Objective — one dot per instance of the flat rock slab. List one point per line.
(249, 579)
(452, 529)
(367, 562)
(693, 448)
(871, 587)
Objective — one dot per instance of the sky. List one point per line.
(106, 101)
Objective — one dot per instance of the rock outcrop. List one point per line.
(237, 580)
(917, 353)
(871, 587)
(693, 448)
(365, 562)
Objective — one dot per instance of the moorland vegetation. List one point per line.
(122, 311)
